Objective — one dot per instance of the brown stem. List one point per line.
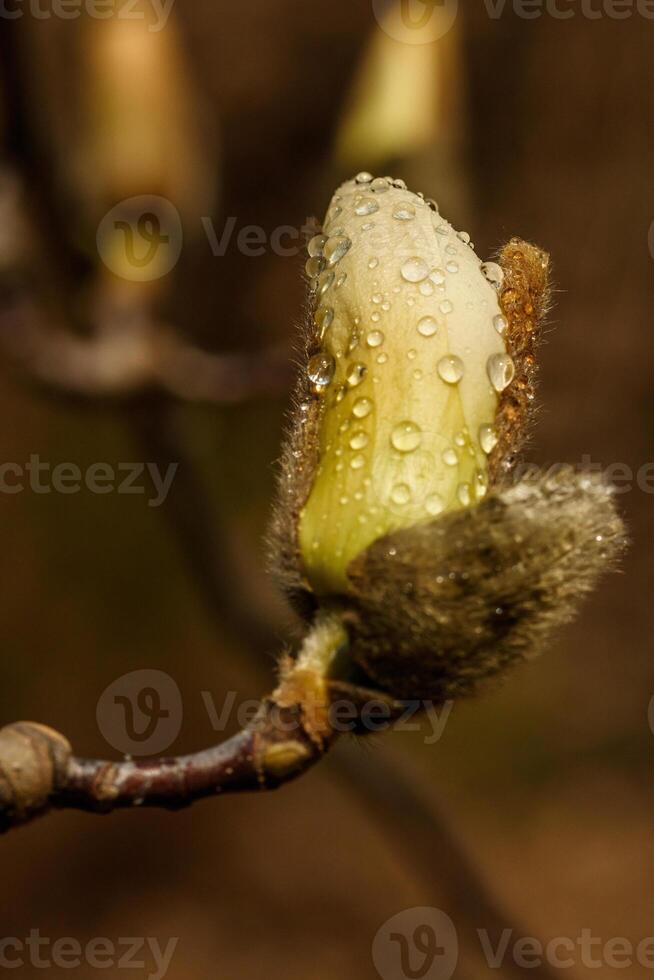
(38, 771)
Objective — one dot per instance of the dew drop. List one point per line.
(452, 267)
(320, 369)
(380, 185)
(501, 324)
(446, 306)
(464, 237)
(365, 207)
(377, 298)
(450, 457)
(355, 374)
(335, 249)
(464, 495)
(501, 371)
(325, 281)
(434, 504)
(341, 279)
(406, 437)
(375, 317)
(401, 494)
(382, 358)
(437, 276)
(324, 319)
(426, 289)
(451, 368)
(363, 178)
(427, 327)
(357, 462)
(374, 262)
(415, 270)
(487, 438)
(404, 212)
(315, 246)
(359, 440)
(362, 408)
(375, 338)
(314, 267)
(493, 272)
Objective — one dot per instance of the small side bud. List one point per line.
(33, 760)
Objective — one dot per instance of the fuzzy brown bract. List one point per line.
(436, 608)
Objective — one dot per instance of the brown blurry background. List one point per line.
(540, 128)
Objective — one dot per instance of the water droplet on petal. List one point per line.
(336, 248)
(355, 374)
(357, 462)
(382, 358)
(380, 185)
(341, 279)
(324, 319)
(452, 267)
(487, 438)
(401, 494)
(374, 262)
(404, 212)
(501, 324)
(415, 270)
(437, 276)
(493, 272)
(314, 266)
(501, 371)
(446, 306)
(363, 178)
(362, 408)
(375, 338)
(434, 504)
(450, 457)
(365, 207)
(325, 281)
(359, 440)
(451, 368)
(406, 437)
(320, 369)
(428, 326)
(315, 246)
(464, 495)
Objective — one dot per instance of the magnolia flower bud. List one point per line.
(396, 508)
(410, 369)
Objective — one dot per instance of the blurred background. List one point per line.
(534, 809)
